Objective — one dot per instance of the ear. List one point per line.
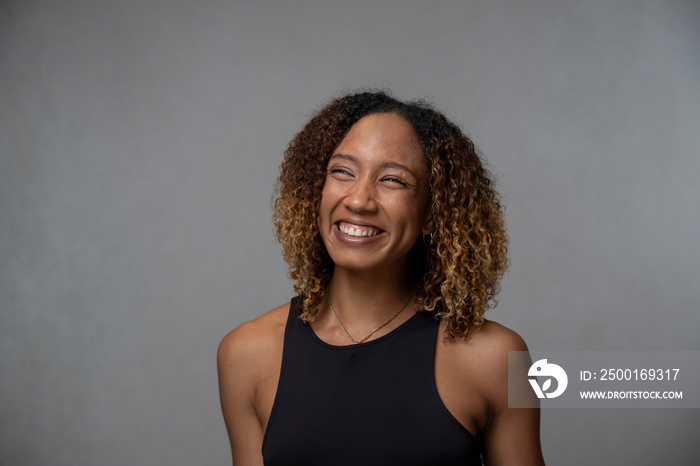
(428, 226)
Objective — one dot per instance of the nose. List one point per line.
(361, 197)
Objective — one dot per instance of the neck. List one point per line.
(365, 300)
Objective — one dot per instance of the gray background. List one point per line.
(140, 140)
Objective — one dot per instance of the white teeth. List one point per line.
(357, 232)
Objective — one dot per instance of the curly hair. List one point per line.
(457, 268)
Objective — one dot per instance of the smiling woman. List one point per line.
(396, 243)
(375, 196)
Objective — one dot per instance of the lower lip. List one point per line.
(356, 240)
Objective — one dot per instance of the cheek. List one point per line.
(325, 205)
(330, 196)
(414, 206)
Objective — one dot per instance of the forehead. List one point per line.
(383, 136)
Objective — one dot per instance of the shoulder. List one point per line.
(472, 374)
(510, 435)
(490, 344)
(480, 365)
(255, 335)
(253, 342)
(493, 341)
(249, 357)
(482, 359)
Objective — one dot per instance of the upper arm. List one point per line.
(512, 437)
(237, 386)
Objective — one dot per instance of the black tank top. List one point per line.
(375, 403)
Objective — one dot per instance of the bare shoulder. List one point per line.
(488, 347)
(251, 354)
(248, 360)
(481, 362)
(255, 340)
(473, 374)
(494, 340)
(511, 435)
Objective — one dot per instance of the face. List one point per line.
(374, 203)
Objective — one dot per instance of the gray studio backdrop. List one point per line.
(141, 138)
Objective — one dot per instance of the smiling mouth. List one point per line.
(357, 231)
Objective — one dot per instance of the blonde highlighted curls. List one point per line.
(457, 271)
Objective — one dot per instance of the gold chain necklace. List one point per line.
(357, 342)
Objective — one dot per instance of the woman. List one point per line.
(396, 243)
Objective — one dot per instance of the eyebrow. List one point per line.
(385, 164)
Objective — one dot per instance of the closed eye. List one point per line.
(339, 172)
(393, 179)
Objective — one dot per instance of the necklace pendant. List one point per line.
(357, 342)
